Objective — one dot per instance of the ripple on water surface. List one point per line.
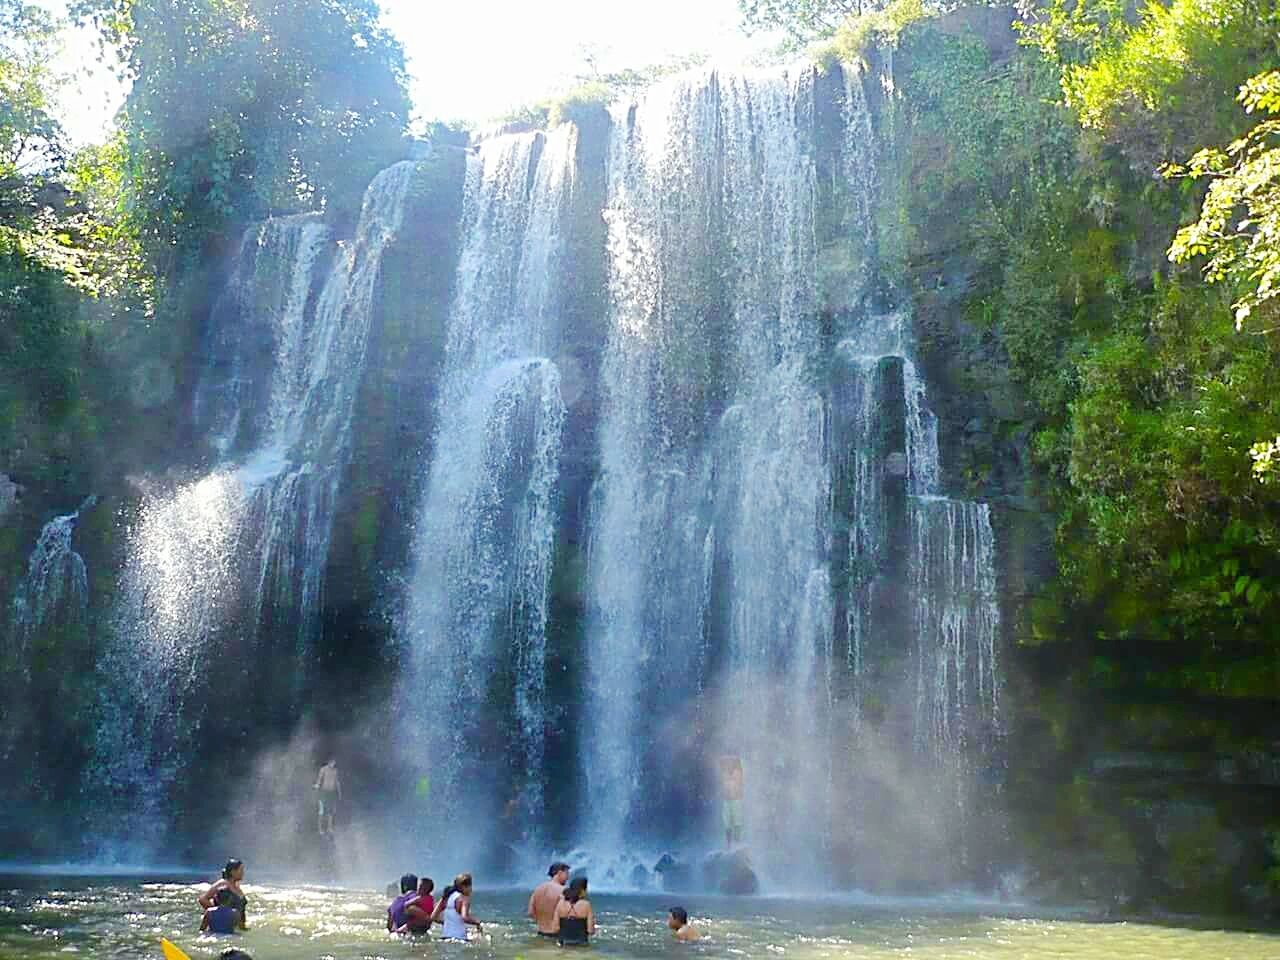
(114, 919)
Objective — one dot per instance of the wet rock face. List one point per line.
(8, 495)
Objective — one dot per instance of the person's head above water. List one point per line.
(232, 953)
(225, 897)
(234, 870)
(679, 918)
(576, 890)
(425, 886)
(462, 884)
(559, 872)
(408, 883)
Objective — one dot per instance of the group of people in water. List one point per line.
(558, 906)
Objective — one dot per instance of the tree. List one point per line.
(1239, 224)
(241, 108)
(802, 20)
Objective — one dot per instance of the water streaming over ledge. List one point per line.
(770, 570)
(225, 574)
(476, 612)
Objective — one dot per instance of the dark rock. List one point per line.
(639, 876)
(993, 26)
(730, 873)
(674, 875)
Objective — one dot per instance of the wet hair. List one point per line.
(428, 883)
(408, 883)
(681, 915)
(224, 897)
(576, 890)
(232, 866)
(234, 953)
(461, 880)
(556, 868)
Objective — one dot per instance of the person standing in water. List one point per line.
(575, 920)
(545, 900)
(454, 909)
(329, 787)
(396, 915)
(232, 877)
(731, 804)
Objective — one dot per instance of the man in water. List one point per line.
(396, 913)
(731, 783)
(330, 792)
(546, 897)
(678, 923)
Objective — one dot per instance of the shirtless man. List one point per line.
(330, 792)
(546, 897)
(678, 923)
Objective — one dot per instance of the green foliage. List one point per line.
(803, 20)
(1239, 224)
(1152, 84)
(849, 42)
(574, 106)
(239, 108)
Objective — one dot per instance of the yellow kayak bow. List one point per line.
(172, 952)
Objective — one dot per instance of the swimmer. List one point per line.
(232, 877)
(454, 909)
(678, 923)
(574, 917)
(223, 917)
(418, 911)
(396, 911)
(546, 899)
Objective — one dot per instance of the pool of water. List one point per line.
(46, 917)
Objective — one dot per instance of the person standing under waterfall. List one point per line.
(731, 802)
(546, 898)
(329, 791)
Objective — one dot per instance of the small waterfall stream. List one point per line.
(49, 607)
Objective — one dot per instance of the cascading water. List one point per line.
(224, 576)
(475, 620)
(713, 550)
(49, 606)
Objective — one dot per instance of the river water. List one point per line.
(115, 918)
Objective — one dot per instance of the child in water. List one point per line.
(223, 917)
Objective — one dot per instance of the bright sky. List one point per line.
(474, 60)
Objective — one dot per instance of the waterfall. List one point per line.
(714, 488)
(224, 575)
(49, 606)
(474, 630)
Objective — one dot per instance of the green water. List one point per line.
(42, 918)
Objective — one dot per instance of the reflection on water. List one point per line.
(48, 917)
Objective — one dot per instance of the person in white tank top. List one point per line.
(454, 911)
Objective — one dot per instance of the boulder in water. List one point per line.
(730, 872)
(674, 874)
(639, 876)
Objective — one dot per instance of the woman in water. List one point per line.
(575, 918)
(454, 909)
(232, 877)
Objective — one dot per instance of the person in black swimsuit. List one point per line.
(232, 877)
(574, 916)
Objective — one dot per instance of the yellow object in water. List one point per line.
(172, 952)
